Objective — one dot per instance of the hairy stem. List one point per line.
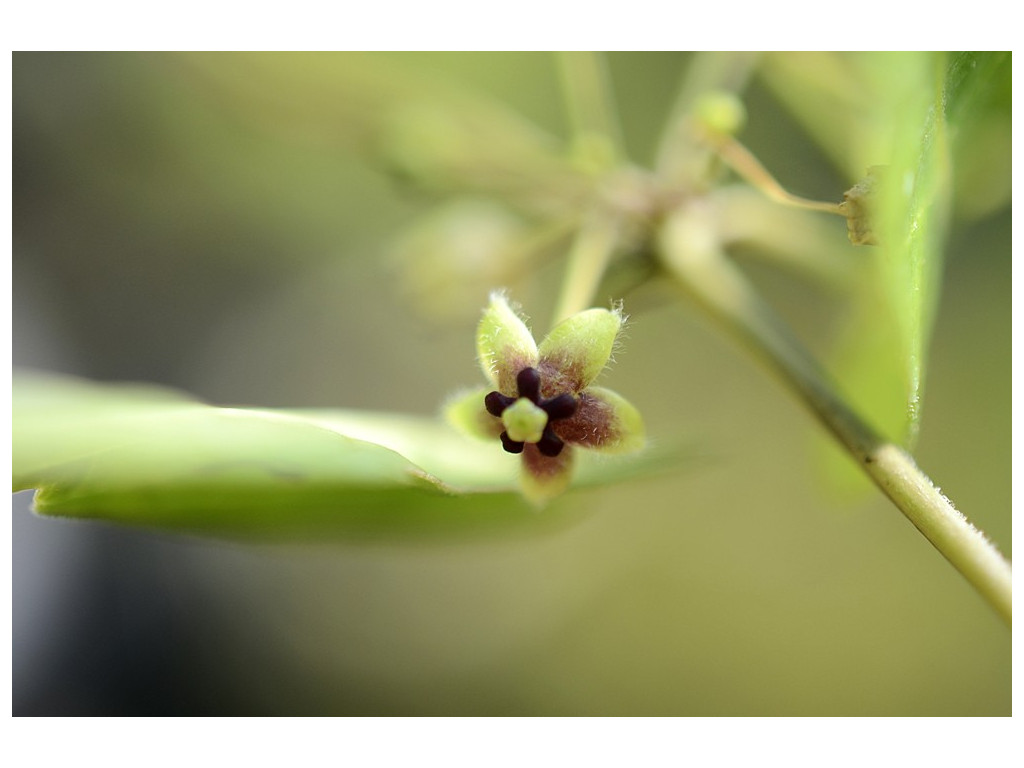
(724, 292)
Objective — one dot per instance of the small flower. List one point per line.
(541, 403)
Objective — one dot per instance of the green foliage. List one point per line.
(903, 112)
(896, 110)
(324, 229)
(153, 457)
(870, 111)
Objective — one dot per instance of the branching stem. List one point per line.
(715, 283)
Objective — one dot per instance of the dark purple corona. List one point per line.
(560, 407)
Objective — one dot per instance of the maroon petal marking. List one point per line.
(545, 468)
(560, 375)
(591, 425)
(507, 367)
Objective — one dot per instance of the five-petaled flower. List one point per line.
(541, 403)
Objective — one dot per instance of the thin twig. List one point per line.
(743, 162)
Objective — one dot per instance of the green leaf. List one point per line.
(902, 111)
(915, 206)
(913, 113)
(149, 456)
(979, 112)
(887, 110)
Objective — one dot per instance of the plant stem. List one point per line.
(744, 163)
(710, 278)
(587, 261)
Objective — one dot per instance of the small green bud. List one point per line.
(720, 113)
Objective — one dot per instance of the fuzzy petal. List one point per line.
(604, 421)
(504, 344)
(577, 349)
(466, 413)
(544, 477)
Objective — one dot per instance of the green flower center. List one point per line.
(524, 422)
(527, 418)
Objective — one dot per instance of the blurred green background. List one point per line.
(221, 224)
